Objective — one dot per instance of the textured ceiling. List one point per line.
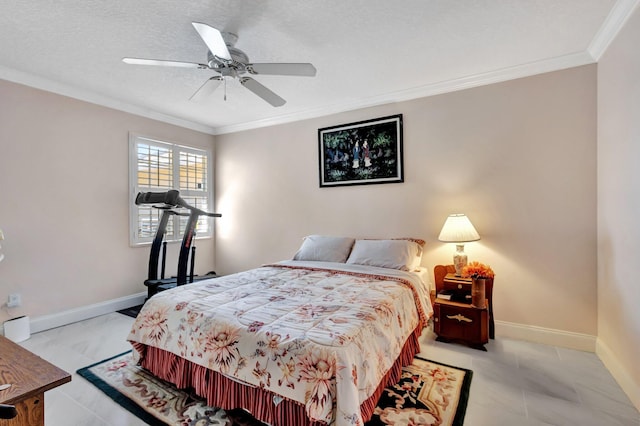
(366, 52)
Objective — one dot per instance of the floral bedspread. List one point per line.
(322, 337)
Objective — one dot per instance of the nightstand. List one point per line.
(461, 322)
(456, 320)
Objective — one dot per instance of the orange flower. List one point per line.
(477, 270)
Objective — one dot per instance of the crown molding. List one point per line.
(48, 85)
(620, 13)
(467, 82)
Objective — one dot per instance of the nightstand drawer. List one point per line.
(460, 290)
(461, 322)
(453, 285)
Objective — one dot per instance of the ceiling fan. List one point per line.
(228, 61)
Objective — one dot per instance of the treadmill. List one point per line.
(172, 204)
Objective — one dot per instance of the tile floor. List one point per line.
(515, 383)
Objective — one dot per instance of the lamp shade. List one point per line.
(458, 229)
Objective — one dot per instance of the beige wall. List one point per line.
(64, 201)
(519, 158)
(619, 207)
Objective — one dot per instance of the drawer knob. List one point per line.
(460, 318)
(459, 286)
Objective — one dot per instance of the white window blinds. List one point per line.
(157, 166)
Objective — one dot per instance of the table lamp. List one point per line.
(458, 229)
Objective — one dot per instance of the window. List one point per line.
(157, 166)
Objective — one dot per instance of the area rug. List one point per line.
(428, 393)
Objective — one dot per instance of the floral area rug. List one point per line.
(428, 393)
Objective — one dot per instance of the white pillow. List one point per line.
(324, 248)
(395, 254)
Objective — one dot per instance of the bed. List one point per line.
(313, 340)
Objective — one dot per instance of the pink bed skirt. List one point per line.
(225, 393)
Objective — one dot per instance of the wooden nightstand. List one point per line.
(456, 320)
(461, 322)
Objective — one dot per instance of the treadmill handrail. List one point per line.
(171, 200)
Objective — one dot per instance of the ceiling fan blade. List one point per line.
(214, 41)
(302, 70)
(262, 91)
(163, 63)
(206, 89)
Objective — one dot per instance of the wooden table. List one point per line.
(30, 376)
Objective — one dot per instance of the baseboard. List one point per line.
(617, 370)
(46, 322)
(546, 336)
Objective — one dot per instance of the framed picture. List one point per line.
(361, 153)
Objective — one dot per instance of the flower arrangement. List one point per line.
(477, 270)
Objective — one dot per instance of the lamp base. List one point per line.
(459, 259)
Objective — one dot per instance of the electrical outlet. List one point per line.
(14, 300)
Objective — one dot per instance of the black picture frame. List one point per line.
(361, 153)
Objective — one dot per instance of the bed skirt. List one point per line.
(220, 391)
